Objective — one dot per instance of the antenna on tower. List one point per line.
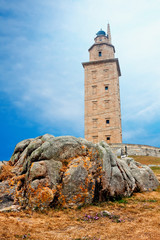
(109, 33)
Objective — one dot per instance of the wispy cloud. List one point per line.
(43, 45)
(38, 75)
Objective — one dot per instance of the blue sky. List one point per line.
(42, 45)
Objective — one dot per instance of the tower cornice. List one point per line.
(104, 61)
(99, 44)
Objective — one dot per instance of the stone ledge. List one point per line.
(104, 61)
(102, 43)
(134, 149)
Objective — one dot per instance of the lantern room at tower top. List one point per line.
(103, 37)
(102, 40)
(102, 95)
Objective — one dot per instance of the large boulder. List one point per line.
(66, 171)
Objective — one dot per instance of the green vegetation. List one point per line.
(156, 169)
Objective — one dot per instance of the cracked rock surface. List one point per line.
(66, 171)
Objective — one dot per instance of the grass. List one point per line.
(147, 160)
(137, 217)
(156, 170)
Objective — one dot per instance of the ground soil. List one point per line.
(139, 219)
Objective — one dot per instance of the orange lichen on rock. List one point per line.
(62, 200)
(6, 172)
(18, 178)
(41, 197)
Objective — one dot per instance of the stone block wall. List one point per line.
(107, 51)
(102, 93)
(101, 104)
(134, 149)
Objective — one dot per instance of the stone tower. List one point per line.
(102, 94)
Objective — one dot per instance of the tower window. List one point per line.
(106, 103)
(100, 54)
(95, 123)
(94, 89)
(107, 121)
(94, 105)
(94, 74)
(106, 88)
(108, 139)
(106, 73)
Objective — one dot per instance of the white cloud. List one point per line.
(131, 134)
(44, 43)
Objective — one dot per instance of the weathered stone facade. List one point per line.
(102, 97)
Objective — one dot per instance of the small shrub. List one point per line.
(122, 201)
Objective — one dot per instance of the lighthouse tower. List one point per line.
(102, 93)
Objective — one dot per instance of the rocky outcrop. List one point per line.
(48, 171)
(2, 163)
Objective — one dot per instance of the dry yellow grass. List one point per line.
(148, 160)
(140, 216)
